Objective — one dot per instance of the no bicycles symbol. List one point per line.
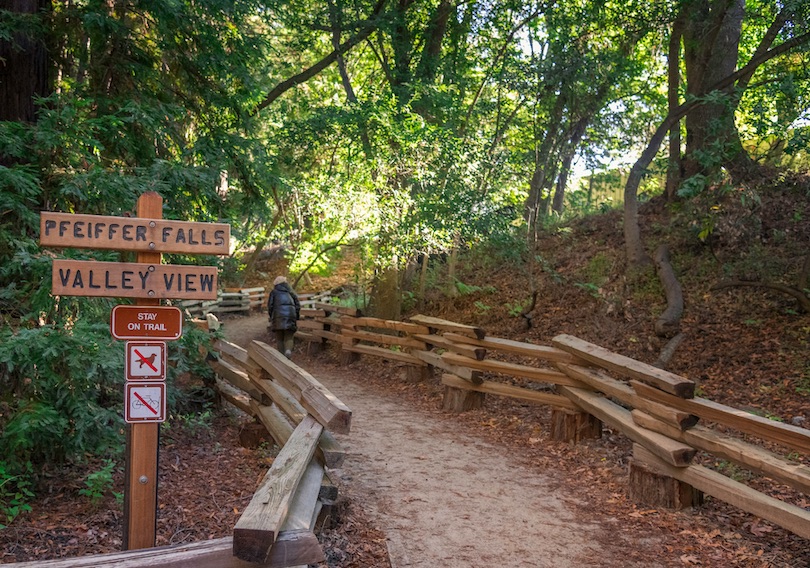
(145, 402)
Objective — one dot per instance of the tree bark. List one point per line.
(674, 169)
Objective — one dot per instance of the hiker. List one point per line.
(283, 308)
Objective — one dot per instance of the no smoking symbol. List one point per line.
(146, 360)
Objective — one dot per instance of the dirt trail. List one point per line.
(442, 497)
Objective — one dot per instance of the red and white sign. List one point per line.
(146, 322)
(145, 402)
(146, 361)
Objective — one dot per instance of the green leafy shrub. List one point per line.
(15, 491)
(98, 483)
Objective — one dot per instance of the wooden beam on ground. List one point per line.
(439, 362)
(674, 453)
(260, 523)
(542, 352)
(787, 516)
(786, 434)
(729, 448)
(625, 366)
(445, 325)
(218, 553)
(491, 387)
(601, 381)
(312, 395)
(515, 370)
(471, 351)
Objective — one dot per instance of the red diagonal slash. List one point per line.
(146, 404)
(145, 360)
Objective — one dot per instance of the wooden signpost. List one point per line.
(150, 324)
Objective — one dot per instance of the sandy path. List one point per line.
(444, 500)
(447, 501)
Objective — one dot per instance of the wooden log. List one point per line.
(439, 362)
(573, 427)
(329, 491)
(541, 352)
(675, 453)
(331, 336)
(403, 326)
(385, 354)
(445, 325)
(330, 452)
(343, 310)
(510, 391)
(647, 485)
(786, 434)
(309, 324)
(729, 448)
(312, 395)
(261, 521)
(238, 357)
(514, 370)
(599, 380)
(383, 338)
(234, 396)
(461, 400)
(236, 377)
(304, 503)
(626, 367)
(789, 517)
(298, 546)
(312, 313)
(473, 352)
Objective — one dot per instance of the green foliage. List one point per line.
(98, 483)
(481, 308)
(15, 491)
(466, 290)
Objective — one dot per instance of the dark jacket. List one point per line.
(283, 307)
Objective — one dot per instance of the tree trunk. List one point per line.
(674, 169)
(23, 69)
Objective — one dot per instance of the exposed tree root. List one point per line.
(800, 295)
(668, 323)
(668, 351)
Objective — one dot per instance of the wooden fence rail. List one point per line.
(587, 385)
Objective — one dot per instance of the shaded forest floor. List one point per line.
(746, 347)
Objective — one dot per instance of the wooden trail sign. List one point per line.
(133, 280)
(132, 234)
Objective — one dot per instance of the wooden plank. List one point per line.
(729, 448)
(133, 280)
(104, 232)
(599, 380)
(238, 357)
(402, 326)
(344, 310)
(787, 516)
(313, 396)
(515, 370)
(510, 391)
(542, 352)
(626, 367)
(675, 453)
(385, 354)
(383, 338)
(312, 313)
(260, 523)
(440, 363)
(786, 434)
(445, 325)
(216, 553)
(305, 500)
(309, 324)
(473, 352)
(331, 336)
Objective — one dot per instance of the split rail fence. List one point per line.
(277, 528)
(587, 386)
